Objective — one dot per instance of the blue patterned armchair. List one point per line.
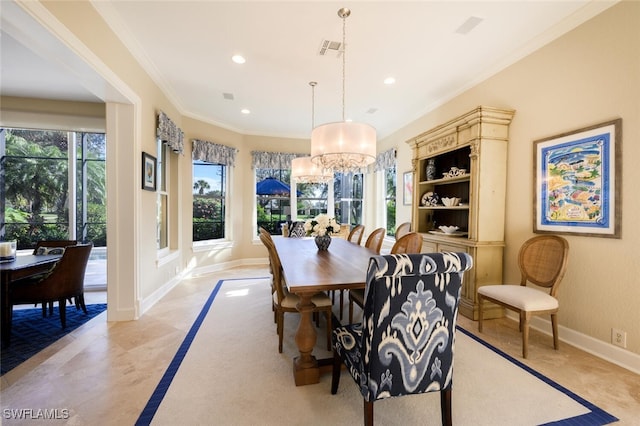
(405, 343)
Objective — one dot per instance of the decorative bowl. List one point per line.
(450, 201)
(448, 229)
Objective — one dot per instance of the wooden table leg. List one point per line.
(305, 366)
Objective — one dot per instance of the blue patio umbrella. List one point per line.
(272, 186)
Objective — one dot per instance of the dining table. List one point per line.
(308, 271)
(22, 267)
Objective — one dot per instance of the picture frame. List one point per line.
(578, 181)
(148, 172)
(407, 188)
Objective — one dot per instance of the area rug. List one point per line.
(30, 332)
(228, 371)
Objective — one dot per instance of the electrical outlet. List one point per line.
(619, 337)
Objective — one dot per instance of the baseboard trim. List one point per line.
(606, 351)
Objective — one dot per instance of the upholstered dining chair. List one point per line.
(284, 301)
(409, 243)
(405, 342)
(403, 229)
(297, 230)
(542, 261)
(64, 281)
(44, 247)
(355, 236)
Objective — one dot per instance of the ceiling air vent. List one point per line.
(328, 47)
(228, 96)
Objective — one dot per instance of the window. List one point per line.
(348, 192)
(209, 198)
(273, 198)
(312, 199)
(35, 186)
(390, 199)
(162, 171)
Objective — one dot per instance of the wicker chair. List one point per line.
(283, 301)
(355, 236)
(542, 261)
(411, 307)
(402, 230)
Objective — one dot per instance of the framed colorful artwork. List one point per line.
(407, 188)
(577, 182)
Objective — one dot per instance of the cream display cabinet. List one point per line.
(464, 162)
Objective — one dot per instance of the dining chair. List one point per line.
(265, 237)
(44, 247)
(284, 301)
(64, 281)
(375, 239)
(405, 342)
(403, 229)
(542, 261)
(374, 242)
(355, 236)
(408, 244)
(297, 230)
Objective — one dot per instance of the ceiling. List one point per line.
(429, 47)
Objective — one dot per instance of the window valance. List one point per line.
(386, 160)
(169, 133)
(213, 153)
(273, 160)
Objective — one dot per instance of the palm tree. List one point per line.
(200, 186)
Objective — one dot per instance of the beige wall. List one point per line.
(588, 76)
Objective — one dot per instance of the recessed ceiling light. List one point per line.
(389, 80)
(238, 59)
(245, 111)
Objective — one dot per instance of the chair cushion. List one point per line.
(49, 250)
(290, 300)
(521, 297)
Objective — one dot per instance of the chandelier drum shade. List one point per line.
(344, 146)
(304, 171)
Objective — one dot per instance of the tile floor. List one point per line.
(105, 372)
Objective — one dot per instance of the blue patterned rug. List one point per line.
(30, 333)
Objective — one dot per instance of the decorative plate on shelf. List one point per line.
(430, 199)
(452, 234)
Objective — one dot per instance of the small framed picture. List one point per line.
(578, 176)
(148, 172)
(407, 188)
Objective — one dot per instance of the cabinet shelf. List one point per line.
(444, 208)
(444, 181)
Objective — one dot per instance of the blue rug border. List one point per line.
(596, 416)
(158, 394)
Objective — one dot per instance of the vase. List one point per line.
(323, 242)
(431, 169)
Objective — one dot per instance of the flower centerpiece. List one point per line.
(321, 227)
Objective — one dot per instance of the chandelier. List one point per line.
(343, 146)
(303, 170)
